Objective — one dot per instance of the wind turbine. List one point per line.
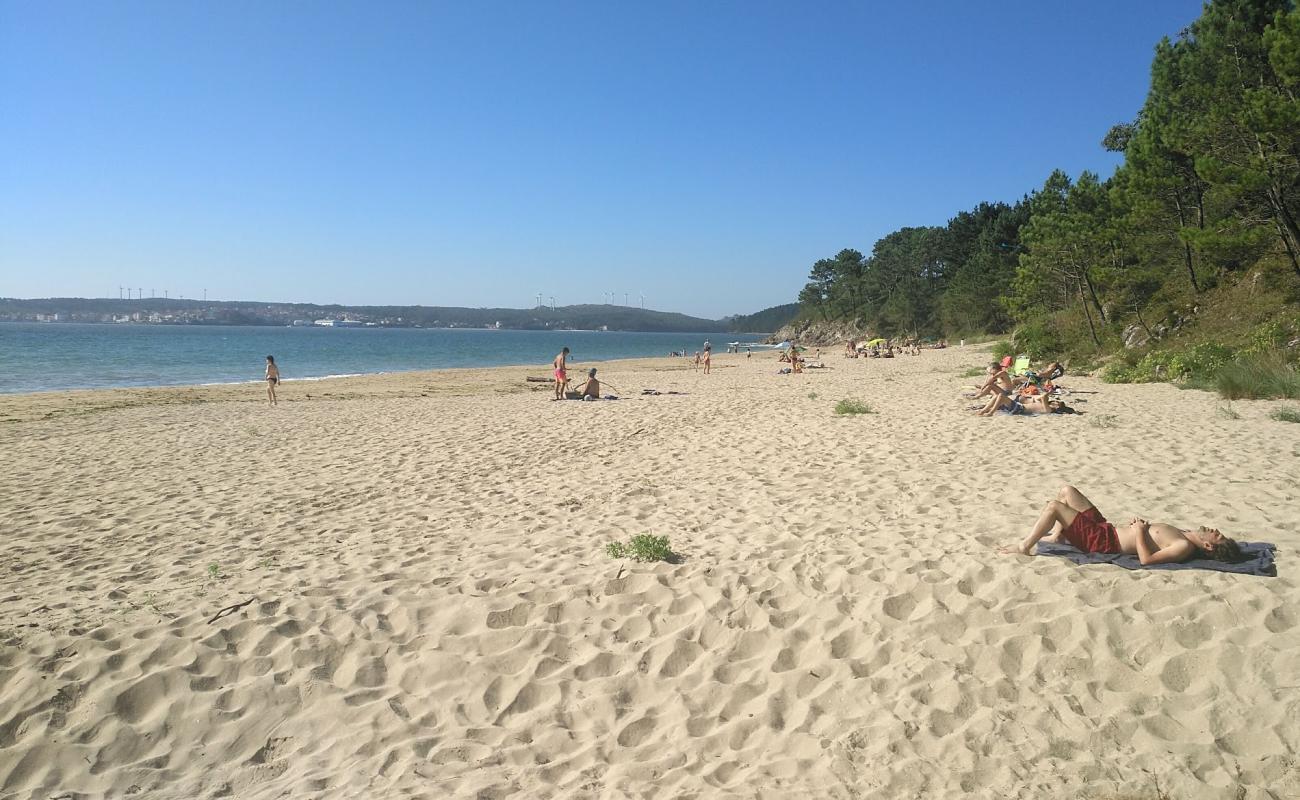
(643, 301)
(539, 299)
(552, 302)
(625, 298)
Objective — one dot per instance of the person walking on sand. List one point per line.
(272, 378)
(561, 365)
(1083, 526)
(697, 359)
(708, 360)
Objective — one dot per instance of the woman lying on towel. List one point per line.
(1024, 404)
(1083, 526)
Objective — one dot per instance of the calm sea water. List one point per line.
(39, 357)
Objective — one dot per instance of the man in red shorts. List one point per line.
(1083, 526)
(561, 364)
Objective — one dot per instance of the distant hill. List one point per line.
(199, 312)
(765, 321)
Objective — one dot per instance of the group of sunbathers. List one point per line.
(1029, 392)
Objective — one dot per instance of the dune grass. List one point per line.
(852, 407)
(1257, 379)
(642, 547)
(1286, 415)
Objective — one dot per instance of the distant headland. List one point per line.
(175, 311)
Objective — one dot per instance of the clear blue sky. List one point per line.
(476, 153)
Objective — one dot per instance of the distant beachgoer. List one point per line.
(697, 359)
(1084, 527)
(707, 346)
(708, 359)
(561, 373)
(590, 390)
(272, 378)
(749, 352)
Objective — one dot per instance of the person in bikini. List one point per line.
(1084, 527)
(272, 379)
(561, 373)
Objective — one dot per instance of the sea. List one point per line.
(37, 357)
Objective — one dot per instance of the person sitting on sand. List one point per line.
(998, 382)
(561, 373)
(1084, 527)
(272, 379)
(590, 390)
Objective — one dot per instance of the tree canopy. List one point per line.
(1210, 183)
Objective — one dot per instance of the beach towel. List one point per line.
(1258, 559)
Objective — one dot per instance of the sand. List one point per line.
(433, 614)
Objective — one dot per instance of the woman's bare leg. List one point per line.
(995, 402)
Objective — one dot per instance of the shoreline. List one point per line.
(380, 366)
(20, 406)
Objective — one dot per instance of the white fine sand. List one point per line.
(433, 613)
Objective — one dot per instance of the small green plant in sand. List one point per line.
(812, 395)
(642, 547)
(1286, 415)
(1227, 412)
(214, 571)
(852, 407)
(1103, 421)
(151, 600)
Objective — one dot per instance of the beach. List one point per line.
(429, 610)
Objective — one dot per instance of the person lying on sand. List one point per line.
(1084, 527)
(1023, 404)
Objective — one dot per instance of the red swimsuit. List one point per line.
(1091, 533)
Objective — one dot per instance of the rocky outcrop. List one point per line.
(819, 333)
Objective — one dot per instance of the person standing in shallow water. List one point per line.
(272, 379)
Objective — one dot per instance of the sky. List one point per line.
(703, 155)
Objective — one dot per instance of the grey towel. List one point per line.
(1257, 559)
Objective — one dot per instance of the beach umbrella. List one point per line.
(875, 341)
